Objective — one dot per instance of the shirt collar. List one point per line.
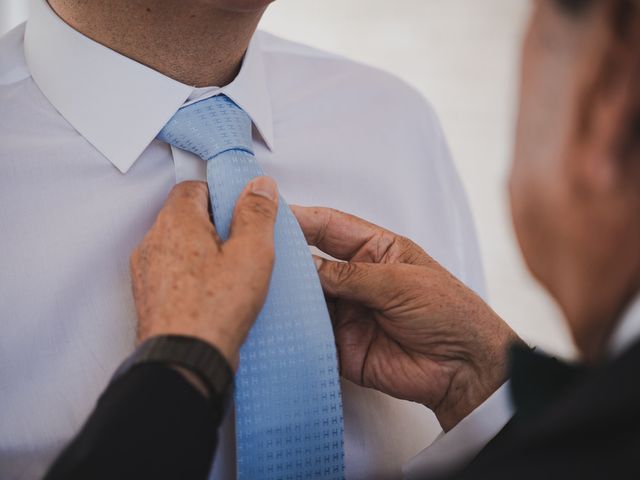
(116, 103)
(627, 331)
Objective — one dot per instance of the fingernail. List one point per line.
(317, 262)
(265, 187)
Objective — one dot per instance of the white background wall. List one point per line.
(462, 55)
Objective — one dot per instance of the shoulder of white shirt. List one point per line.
(352, 73)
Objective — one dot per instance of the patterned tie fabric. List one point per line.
(288, 406)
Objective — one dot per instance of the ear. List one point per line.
(607, 128)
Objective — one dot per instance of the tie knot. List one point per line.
(209, 127)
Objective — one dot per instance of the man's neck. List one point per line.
(189, 41)
(596, 318)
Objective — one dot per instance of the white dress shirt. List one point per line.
(82, 179)
(463, 442)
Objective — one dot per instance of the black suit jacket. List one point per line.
(592, 431)
(152, 424)
(149, 424)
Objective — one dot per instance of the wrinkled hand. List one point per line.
(403, 324)
(186, 281)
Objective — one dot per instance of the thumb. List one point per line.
(365, 283)
(254, 218)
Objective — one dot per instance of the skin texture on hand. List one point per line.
(403, 324)
(186, 281)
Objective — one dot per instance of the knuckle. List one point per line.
(406, 246)
(346, 272)
(383, 247)
(392, 248)
(189, 188)
(188, 193)
(262, 207)
(411, 252)
(326, 215)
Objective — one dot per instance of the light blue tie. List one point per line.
(288, 406)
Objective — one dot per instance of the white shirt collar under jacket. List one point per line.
(627, 332)
(116, 103)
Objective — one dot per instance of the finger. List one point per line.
(365, 283)
(331, 306)
(337, 233)
(354, 329)
(191, 196)
(254, 219)
(348, 237)
(187, 210)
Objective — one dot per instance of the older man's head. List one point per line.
(575, 183)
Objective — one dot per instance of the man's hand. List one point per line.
(186, 281)
(403, 324)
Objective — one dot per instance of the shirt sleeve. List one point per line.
(452, 450)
